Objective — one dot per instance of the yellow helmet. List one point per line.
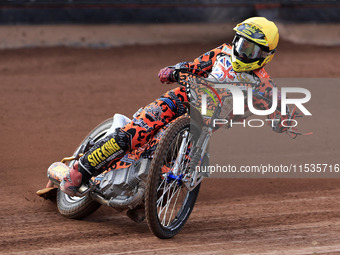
(254, 44)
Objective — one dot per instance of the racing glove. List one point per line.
(165, 75)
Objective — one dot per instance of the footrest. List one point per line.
(48, 193)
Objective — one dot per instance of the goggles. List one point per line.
(248, 51)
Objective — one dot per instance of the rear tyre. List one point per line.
(80, 207)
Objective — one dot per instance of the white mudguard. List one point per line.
(119, 120)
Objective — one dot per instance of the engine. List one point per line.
(124, 182)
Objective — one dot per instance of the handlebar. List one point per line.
(178, 71)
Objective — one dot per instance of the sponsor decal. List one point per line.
(154, 112)
(252, 32)
(103, 152)
(142, 124)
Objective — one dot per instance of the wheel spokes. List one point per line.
(170, 198)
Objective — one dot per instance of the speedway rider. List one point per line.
(253, 47)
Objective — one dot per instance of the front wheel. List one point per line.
(80, 207)
(168, 203)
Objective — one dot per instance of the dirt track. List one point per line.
(50, 99)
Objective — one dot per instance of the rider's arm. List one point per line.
(265, 87)
(200, 66)
(266, 83)
(203, 64)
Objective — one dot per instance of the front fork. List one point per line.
(200, 150)
(198, 154)
(181, 153)
(197, 159)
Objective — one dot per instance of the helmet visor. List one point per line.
(248, 51)
(252, 31)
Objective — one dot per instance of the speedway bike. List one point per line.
(159, 181)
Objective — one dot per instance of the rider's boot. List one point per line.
(111, 148)
(72, 181)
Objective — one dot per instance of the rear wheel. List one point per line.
(168, 203)
(80, 207)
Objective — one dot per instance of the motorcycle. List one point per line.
(158, 181)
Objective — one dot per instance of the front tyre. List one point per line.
(80, 207)
(168, 203)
